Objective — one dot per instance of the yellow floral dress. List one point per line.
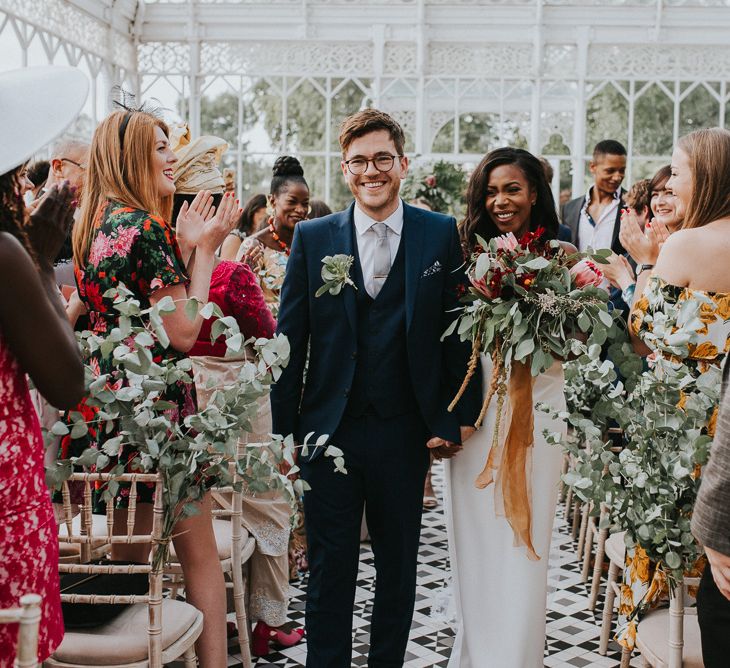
(644, 584)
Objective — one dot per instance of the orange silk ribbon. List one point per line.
(511, 460)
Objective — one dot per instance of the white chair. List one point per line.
(235, 547)
(615, 550)
(670, 638)
(28, 618)
(151, 631)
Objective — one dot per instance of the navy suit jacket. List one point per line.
(324, 328)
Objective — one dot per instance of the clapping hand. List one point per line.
(50, 222)
(219, 226)
(642, 245)
(191, 219)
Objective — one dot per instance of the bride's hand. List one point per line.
(442, 449)
(466, 433)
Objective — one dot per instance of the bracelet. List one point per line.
(627, 294)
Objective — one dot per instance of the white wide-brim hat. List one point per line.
(36, 105)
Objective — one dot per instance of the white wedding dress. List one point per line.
(499, 594)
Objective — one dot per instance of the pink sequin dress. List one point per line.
(28, 532)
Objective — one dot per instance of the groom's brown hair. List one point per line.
(366, 121)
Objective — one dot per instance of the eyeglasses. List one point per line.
(73, 162)
(383, 163)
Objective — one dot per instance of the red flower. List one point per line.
(430, 181)
(533, 241)
(94, 298)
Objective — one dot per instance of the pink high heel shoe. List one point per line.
(264, 636)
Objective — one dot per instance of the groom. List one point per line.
(378, 382)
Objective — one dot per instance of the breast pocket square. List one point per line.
(435, 268)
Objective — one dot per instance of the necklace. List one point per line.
(282, 244)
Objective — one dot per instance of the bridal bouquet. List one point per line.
(528, 300)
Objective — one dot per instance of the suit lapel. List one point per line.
(413, 236)
(615, 243)
(342, 243)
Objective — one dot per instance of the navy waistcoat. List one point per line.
(382, 381)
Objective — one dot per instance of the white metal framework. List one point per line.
(462, 76)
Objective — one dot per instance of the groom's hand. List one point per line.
(442, 449)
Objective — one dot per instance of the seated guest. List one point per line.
(594, 219)
(32, 319)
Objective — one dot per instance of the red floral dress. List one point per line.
(235, 289)
(137, 249)
(28, 532)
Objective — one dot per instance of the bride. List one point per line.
(501, 589)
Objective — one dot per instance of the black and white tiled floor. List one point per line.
(572, 631)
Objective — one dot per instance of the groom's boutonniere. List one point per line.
(336, 274)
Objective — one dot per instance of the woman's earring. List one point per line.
(269, 210)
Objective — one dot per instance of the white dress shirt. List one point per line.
(366, 239)
(600, 235)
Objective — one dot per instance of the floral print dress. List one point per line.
(139, 250)
(644, 583)
(28, 532)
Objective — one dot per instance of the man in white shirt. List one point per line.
(378, 383)
(594, 219)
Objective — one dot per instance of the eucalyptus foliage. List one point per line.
(649, 487)
(128, 409)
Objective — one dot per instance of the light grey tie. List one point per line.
(381, 258)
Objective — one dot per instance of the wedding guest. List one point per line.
(124, 236)
(663, 203)
(690, 262)
(664, 218)
(252, 220)
(236, 291)
(318, 209)
(594, 218)
(288, 204)
(638, 199)
(500, 582)
(38, 174)
(564, 233)
(32, 319)
(711, 527)
(69, 160)
(25, 184)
